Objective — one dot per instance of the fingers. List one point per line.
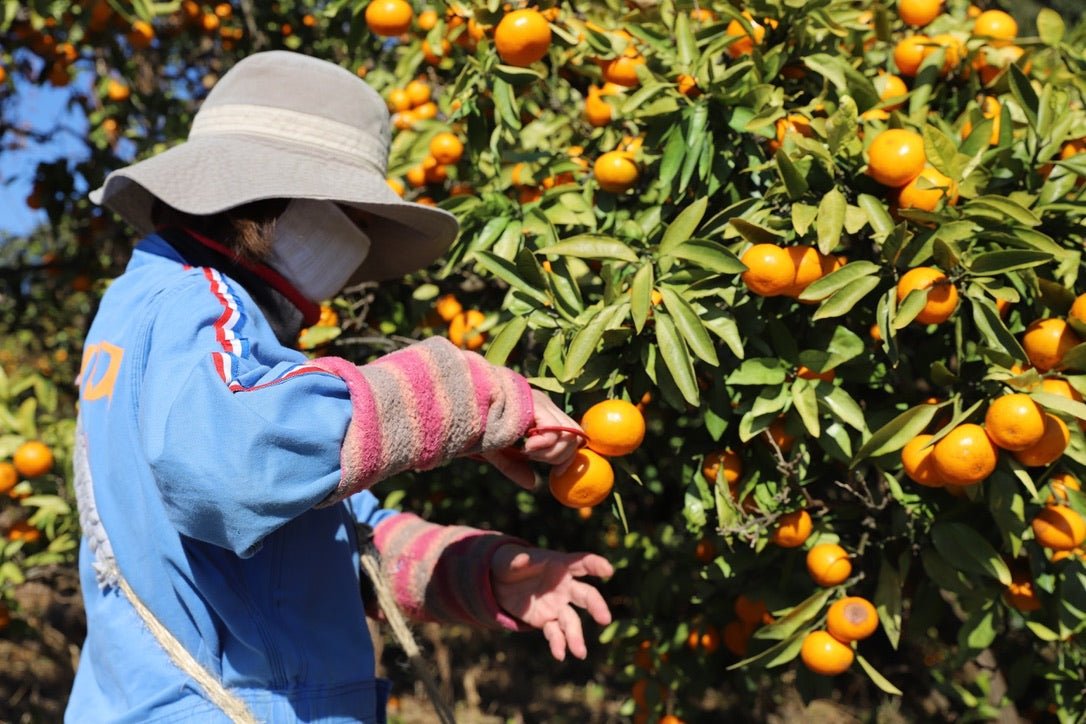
(552, 631)
(570, 623)
(591, 600)
(517, 470)
(590, 564)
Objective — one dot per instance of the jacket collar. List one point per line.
(286, 310)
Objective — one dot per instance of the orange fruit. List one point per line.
(910, 52)
(614, 427)
(597, 111)
(9, 477)
(751, 611)
(141, 34)
(1078, 308)
(777, 433)
(522, 37)
(953, 51)
(895, 157)
(917, 461)
(1059, 484)
(770, 270)
(462, 326)
(746, 41)
(792, 530)
(942, 295)
(623, 69)
(1060, 386)
(792, 124)
(823, 654)
(398, 100)
(806, 266)
(688, 85)
(1046, 341)
(851, 618)
(33, 458)
(447, 307)
(585, 483)
(416, 176)
(736, 636)
(704, 551)
(446, 147)
(427, 19)
(1059, 528)
(706, 638)
(1020, 593)
(396, 185)
(1014, 422)
(828, 564)
(117, 91)
(990, 108)
(997, 26)
(804, 372)
(23, 531)
(1049, 448)
(725, 463)
(418, 92)
(616, 171)
(389, 18)
(926, 191)
(965, 455)
(432, 56)
(919, 13)
(889, 87)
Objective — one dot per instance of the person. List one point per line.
(220, 473)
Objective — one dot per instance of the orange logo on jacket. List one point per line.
(98, 374)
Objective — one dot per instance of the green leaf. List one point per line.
(502, 345)
(805, 401)
(894, 434)
(1023, 91)
(1059, 403)
(964, 547)
(844, 408)
(759, 371)
(831, 220)
(505, 103)
(641, 296)
(585, 341)
(676, 359)
(1050, 27)
(839, 279)
(754, 233)
(846, 298)
(795, 182)
(683, 226)
(888, 601)
(697, 140)
(689, 325)
(507, 272)
(978, 630)
(709, 255)
(798, 617)
(990, 324)
(878, 679)
(1001, 262)
(592, 246)
(803, 215)
(877, 215)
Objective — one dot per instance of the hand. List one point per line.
(540, 588)
(552, 447)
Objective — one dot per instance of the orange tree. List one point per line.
(812, 241)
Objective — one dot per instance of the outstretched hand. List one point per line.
(553, 447)
(540, 588)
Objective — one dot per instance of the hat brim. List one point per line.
(209, 175)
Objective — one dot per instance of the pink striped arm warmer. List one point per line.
(442, 573)
(421, 406)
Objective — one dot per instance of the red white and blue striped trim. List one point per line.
(235, 346)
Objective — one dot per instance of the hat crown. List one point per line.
(300, 99)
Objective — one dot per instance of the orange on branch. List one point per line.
(389, 18)
(614, 427)
(1049, 447)
(965, 455)
(725, 463)
(998, 27)
(522, 37)
(446, 147)
(463, 329)
(616, 171)
(919, 13)
(942, 295)
(1059, 485)
(1014, 422)
(585, 483)
(895, 157)
(33, 458)
(828, 564)
(793, 529)
(1059, 527)
(1046, 341)
(823, 654)
(851, 619)
(770, 270)
(926, 191)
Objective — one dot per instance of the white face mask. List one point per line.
(317, 247)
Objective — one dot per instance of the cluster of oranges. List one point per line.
(774, 270)
(31, 459)
(612, 428)
(896, 159)
(464, 325)
(830, 651)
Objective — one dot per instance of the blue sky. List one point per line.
(39, 108)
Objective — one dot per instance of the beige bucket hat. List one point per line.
(286, 125)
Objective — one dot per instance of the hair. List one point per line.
(246, 229)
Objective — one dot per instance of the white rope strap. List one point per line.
(109, 574)
(391, 610)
